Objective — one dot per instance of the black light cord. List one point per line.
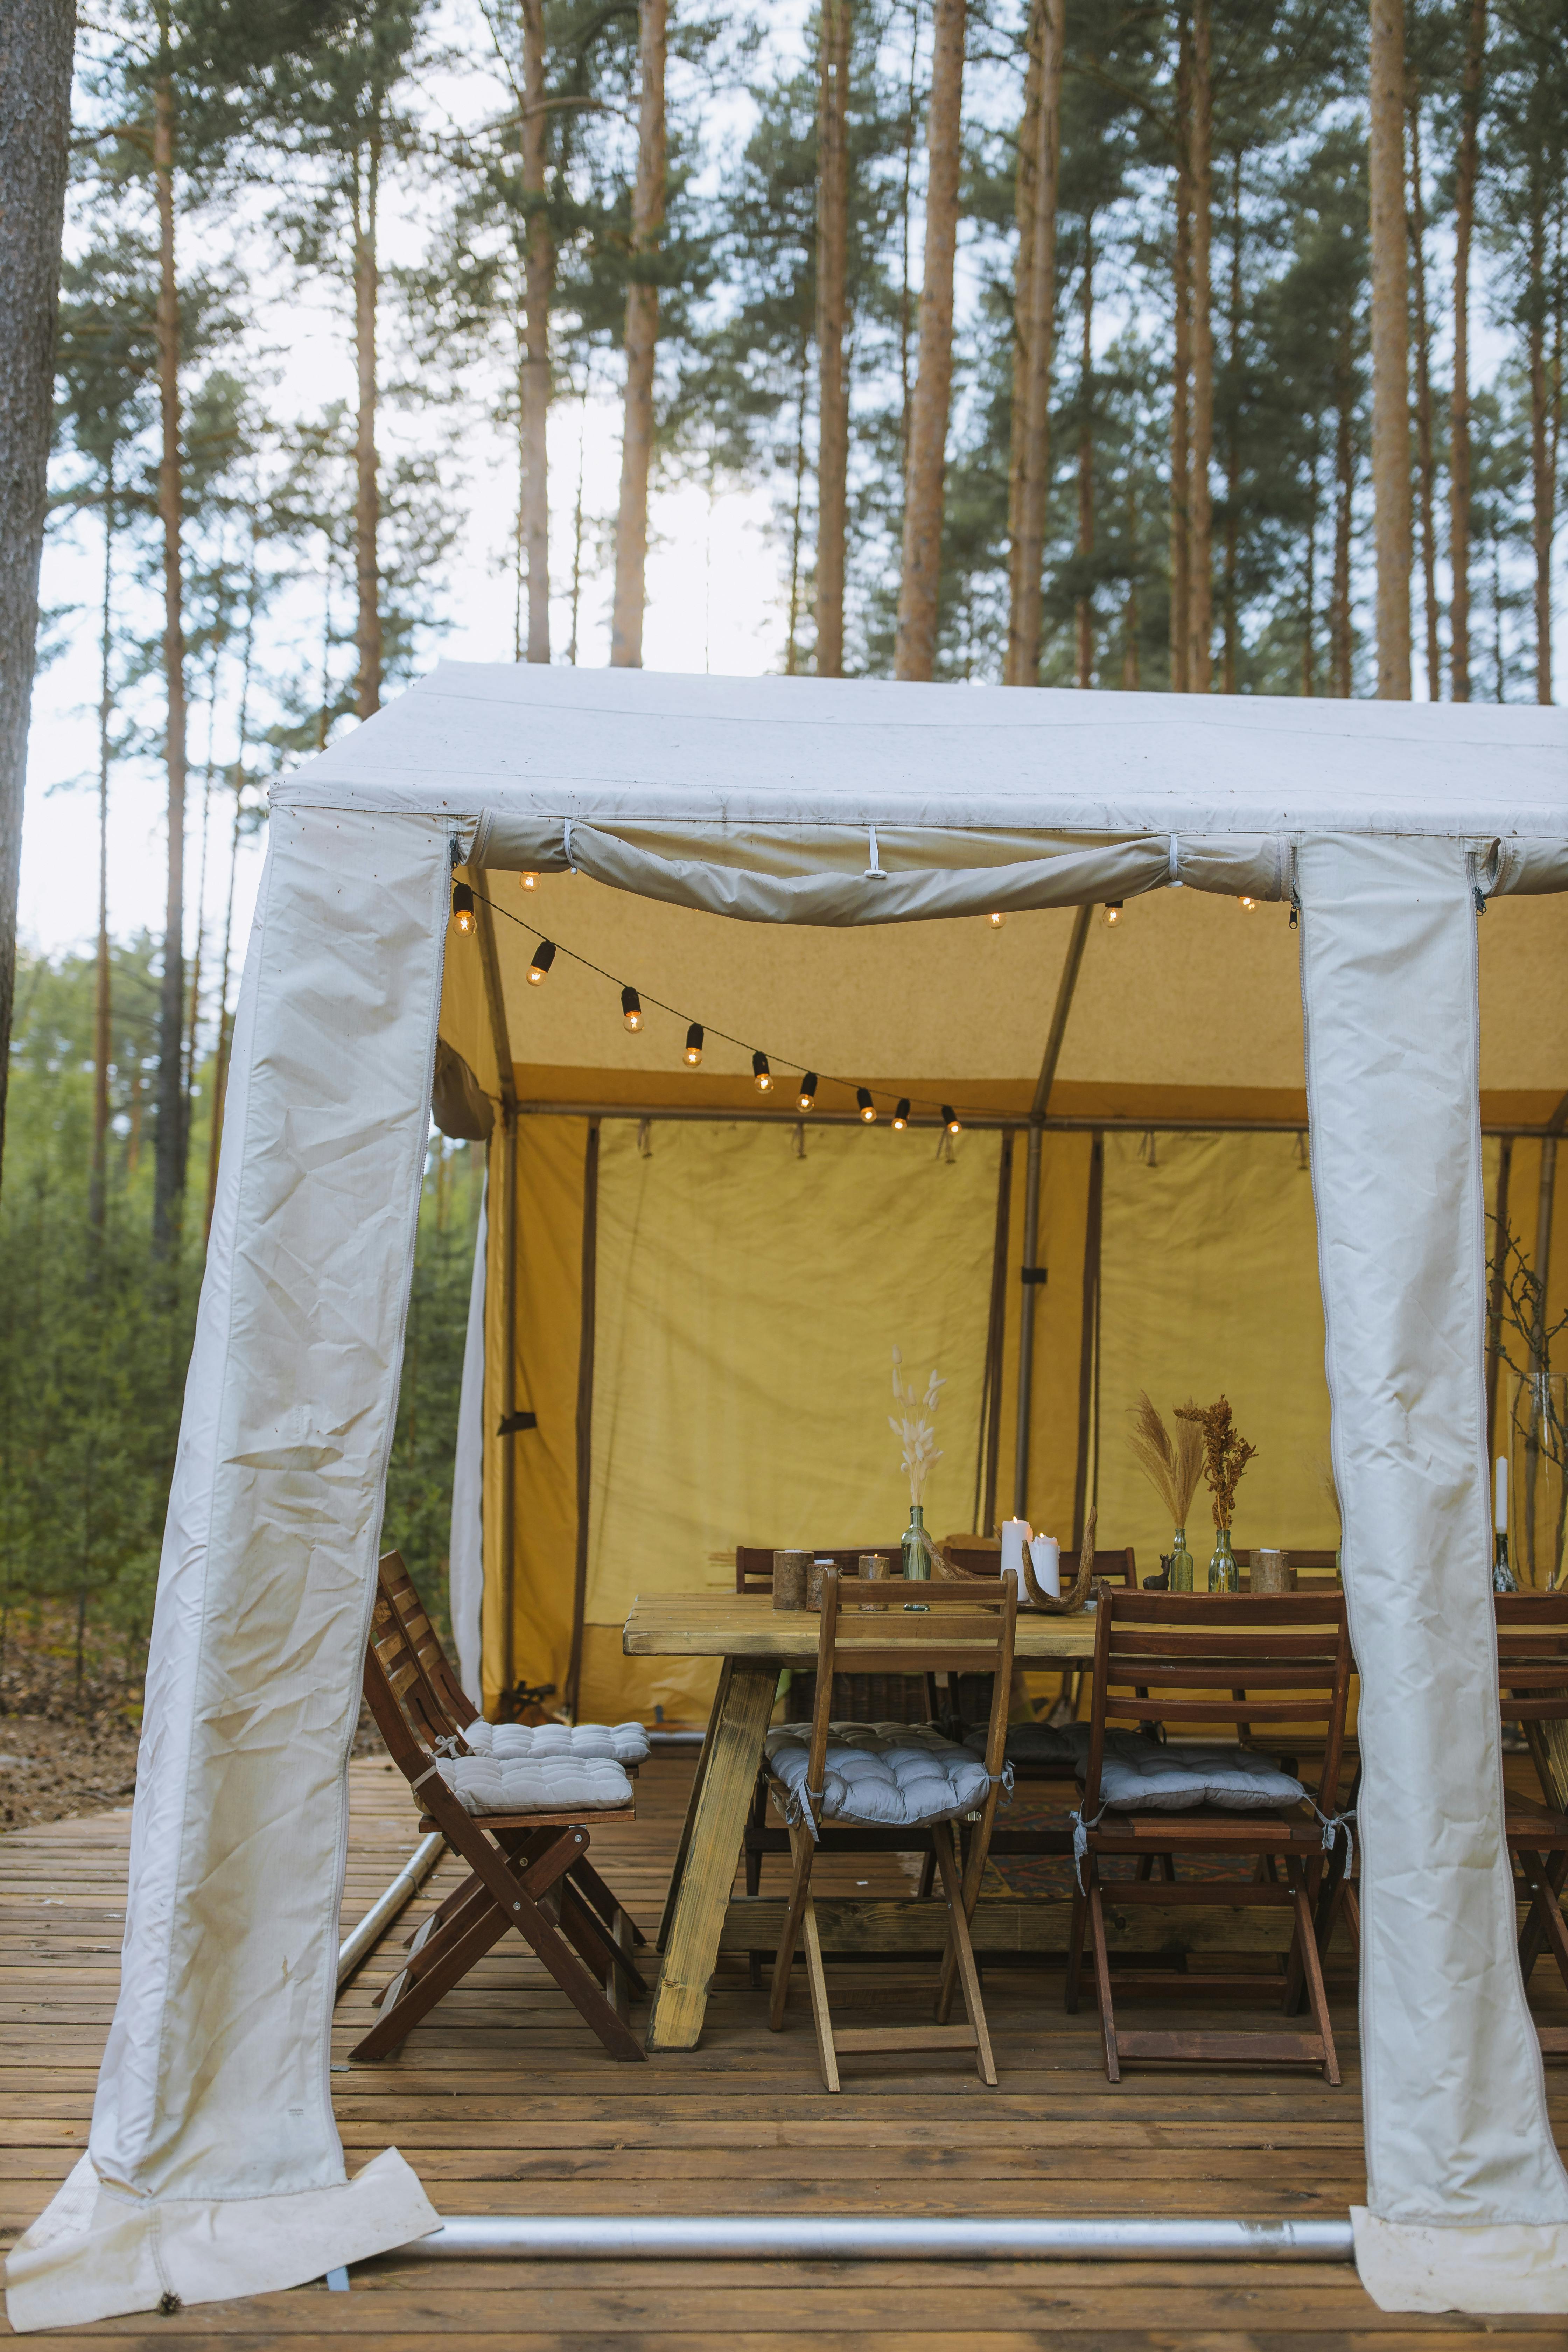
(850, 1086)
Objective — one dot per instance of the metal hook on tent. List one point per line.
(799, 1138)
(876, 871)
(644, 1139)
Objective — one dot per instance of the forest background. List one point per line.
(1036, 338)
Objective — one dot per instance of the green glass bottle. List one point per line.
(1224, 1574)
(916, 1555)
(1181, 1563)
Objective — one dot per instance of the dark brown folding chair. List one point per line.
(518, 1863)
(1532, 1675)
(1169, 1660)
(870, 1624)
(448, 1706)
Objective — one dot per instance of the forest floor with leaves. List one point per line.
(66, 1746)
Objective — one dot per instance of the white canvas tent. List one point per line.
(214, 2167)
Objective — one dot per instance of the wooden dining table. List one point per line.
(755, 1641)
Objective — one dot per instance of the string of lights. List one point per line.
(464, 898)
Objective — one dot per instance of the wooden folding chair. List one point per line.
(1175, 1659)
(872, 1624)
(1533, 1676)
(448, 1709)
(518, 1865)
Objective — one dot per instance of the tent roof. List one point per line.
(624, 746)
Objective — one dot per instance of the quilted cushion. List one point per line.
(550, 1784)
(622, 1743)
(1168, 1781)
(882, 1775)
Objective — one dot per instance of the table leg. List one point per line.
(697, 1778)
(717, 1823)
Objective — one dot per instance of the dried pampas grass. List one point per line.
(915, 1426)
(1172, 1465)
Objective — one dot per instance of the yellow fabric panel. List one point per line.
(748, 1303)
(1058, 1328)
(548, 1327)
(1209, 1283)
(667, 1693)
(465, 1009)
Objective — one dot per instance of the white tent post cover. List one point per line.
(214, 2167)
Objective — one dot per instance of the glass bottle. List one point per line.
(1503, 1576)
(1181, 1563)
(1224, 1574)
(916, 1556)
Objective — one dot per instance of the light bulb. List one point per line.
(807, 1097)
(694, 1044)
(1247, 903)
(529, 881)
(901, 1116)
(631, 1008)
(867, 1107)
(762, 1076)
(995, 919)
(951, 1119)
(543, 957)
(1113, 913)
(463, 907)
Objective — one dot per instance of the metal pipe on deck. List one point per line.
(362, 1940)
(486, 2237)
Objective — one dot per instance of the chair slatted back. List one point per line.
(754, 1566)
(1184, 1660)
(869, 1623)
(398, 1589)
(398, 1694)
(1533, 1655)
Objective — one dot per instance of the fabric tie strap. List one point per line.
(1080, 1829)
(1332, 1824)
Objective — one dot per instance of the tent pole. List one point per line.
(1494, 1304)
(978, 1122)
(1088, 1345)
(995, 1337)
(1030, 1274)
(585, 1411)
(495, 1003)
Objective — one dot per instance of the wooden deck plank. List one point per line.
(504, 2104)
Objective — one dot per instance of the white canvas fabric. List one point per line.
(1147, 1778)
(561, 1783)
(466, 1553)
(622, 1743)
(1462, 2172)
(882, 1775)
(213, 2127)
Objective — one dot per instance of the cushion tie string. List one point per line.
(1080, 1829)
(433, 1773)
(448, 1745)
(1332, 1824)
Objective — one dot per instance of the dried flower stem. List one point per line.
(1172, 1466)
(1226, 1453)
(915, 1426)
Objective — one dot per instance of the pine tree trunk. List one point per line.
(1233, 441)
(538, 289)
(1390, 339)
(36, 40)
(1200, 564)
(1084, 614)
(914, 654)
(1033, 316)
(1181, 390)
(1543, 487)
(833, 383)
(1344, 480)
(98, 1188)
(1466, 168)
(1310, 591)
(1425, 467)
(367, 499)
(1129, 608)
(642, 337)
(169, 1163)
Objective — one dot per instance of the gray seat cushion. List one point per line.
(620, 1743)
(550, 1784)
(879, 1775)
(1158, 1780)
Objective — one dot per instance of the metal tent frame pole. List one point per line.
(485, 2237)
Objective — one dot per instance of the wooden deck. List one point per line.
(505, 2105)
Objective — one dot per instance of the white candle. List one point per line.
(1015, 1534)
(1046, 1555)
(1500, 1507)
